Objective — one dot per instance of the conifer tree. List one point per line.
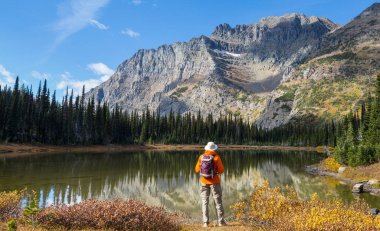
(28, 118)
(13, 123)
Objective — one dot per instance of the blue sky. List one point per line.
(76, 42)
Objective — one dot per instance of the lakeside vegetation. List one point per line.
(358, 141)
(267, 208)
(355, 174)
(41, 118)
(276, 209)
(90, 214)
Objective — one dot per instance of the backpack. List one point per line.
(207, 166)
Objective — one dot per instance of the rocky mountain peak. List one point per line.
(374, 10)
(272, 21)
(272, 26)
(365, 28)
(302, 19)
(235, 70)
(186, 76)
(222, 29)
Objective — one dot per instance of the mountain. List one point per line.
(334, 79)
(264, 72)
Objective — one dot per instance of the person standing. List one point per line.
(209, 166)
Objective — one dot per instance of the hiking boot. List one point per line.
(223, 223)
(205, 225)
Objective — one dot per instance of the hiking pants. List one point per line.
(216, 190)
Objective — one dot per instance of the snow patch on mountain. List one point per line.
(226, 53)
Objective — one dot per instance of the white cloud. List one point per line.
(98, 24)
(75, 15)
(39, 75)
(76, 85)
(130, 33)
(136, 2)
(6, 75)
(101, 69)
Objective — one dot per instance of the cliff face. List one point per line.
(238, 70)
(334, 79)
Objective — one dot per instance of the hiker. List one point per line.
(209, 166)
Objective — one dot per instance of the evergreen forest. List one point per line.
(358, 141)
(42, 118)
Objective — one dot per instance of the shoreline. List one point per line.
(13, 149)
(319, 171)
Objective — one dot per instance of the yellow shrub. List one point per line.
(274, 209)
(330, 164)
(267, 206)
(10, 204)
(377, 222)
(377, 186)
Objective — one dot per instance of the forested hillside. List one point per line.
(359, 140)
(41, 118)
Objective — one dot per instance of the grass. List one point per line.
(338, 57)
(331, 98)
(242, 97)
(363, 172)
(287, 96)
(178, 92)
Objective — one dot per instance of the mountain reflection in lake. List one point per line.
(162, 178)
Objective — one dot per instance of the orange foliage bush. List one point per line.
(276, 209)
(115, 215)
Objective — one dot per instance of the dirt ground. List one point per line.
(25, 149)
(231, 226)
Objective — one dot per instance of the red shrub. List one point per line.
(115, 214)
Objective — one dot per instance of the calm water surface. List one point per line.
(163, 178)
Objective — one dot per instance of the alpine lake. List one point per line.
(165, 178)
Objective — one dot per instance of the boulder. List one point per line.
(375, 192)
(373, 181)
(341, 170)
(358, 188)
(374, 211)
(367, 187)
